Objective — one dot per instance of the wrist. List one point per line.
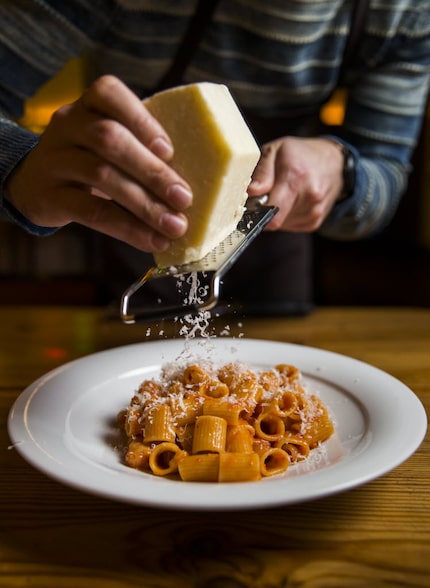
(348, 169)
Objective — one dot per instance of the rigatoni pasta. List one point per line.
(200, 422)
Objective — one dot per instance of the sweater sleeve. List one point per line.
(379, 186)
(387, 98)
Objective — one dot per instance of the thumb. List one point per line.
(263, 178)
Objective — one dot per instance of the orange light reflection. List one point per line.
(56, 353)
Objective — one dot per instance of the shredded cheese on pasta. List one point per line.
(230, 423)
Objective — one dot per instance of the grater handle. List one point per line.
(170, 312)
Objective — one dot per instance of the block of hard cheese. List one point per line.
(216, 153)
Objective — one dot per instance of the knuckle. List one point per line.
(315, 197)
(101, 174)
(154, 216)
(61, 113)
(159, 176)
(145, 117)
(149, 210)
(107, 135)
(101, 88)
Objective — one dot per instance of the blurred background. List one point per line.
(391, 269)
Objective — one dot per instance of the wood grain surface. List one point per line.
(376, 535)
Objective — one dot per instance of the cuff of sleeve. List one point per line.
(19, 219)
(15, 143)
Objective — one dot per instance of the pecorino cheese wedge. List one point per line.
(216, 154)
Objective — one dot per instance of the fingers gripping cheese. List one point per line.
(215, 152)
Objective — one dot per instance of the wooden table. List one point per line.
(377, 535)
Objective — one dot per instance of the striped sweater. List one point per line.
(276, 56)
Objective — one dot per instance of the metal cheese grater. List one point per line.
(209, 270)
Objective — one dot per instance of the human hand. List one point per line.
(103, 162)
(303, 177)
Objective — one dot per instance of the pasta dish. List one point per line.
(222, 424)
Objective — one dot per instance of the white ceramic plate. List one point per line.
(64, 424)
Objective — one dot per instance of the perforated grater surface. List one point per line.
(209, 270)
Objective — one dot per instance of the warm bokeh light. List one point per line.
(66, 87)
(333, 112)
